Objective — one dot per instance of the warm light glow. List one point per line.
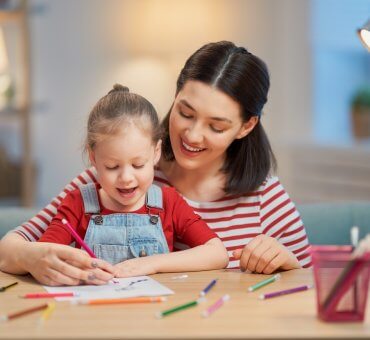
(3, 53)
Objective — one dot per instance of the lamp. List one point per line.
(364, 34)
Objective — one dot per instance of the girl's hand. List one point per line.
(264, 254)
(55, 265)
(136, 267)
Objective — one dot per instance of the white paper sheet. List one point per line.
(128, 287)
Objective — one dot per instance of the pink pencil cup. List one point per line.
(341, 284)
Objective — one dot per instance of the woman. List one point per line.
(216, 154)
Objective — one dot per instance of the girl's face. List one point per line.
(125, 166)
(204, 121)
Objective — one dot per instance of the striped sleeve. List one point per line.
(281, 220)
(36, 226)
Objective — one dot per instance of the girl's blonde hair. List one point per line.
(117, 107)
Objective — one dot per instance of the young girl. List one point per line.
(124, 218)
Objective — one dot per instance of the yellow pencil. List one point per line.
(47, 312)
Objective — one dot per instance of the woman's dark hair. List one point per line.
(245, 78)
(119, 106)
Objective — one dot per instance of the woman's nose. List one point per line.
(194, 134)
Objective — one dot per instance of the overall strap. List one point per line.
(90, 198)
(154, 197)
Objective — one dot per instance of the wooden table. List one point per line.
(243, 317)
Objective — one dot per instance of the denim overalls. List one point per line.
(121, 236)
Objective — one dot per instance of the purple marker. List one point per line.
(285, 292)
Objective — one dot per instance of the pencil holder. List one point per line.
(341, 282)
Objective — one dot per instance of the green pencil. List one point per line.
(264, 283)
(187, 305)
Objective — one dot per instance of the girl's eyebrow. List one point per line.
(219, 119)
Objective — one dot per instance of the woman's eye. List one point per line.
(216, 129)
(182, 114)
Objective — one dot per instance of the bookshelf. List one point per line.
(18, 117)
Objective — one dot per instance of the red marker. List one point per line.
(47, 295)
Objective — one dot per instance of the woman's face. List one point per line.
(204, 121)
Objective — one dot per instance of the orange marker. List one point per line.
(141, 299)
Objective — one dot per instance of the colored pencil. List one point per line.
(140, 299)
(208, 288)
(44, 295)
(264, 282)
(47, 312)
(218, 304)
(78, 239)
(4, 288)
(285, 292)
(184, 306)
(22, 312)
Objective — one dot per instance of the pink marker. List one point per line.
(78, 239)
(218, 304)
(44, 295)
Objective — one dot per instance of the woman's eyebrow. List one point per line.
(220, 119)
(184, 102)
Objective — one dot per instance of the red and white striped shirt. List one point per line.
(235, 219)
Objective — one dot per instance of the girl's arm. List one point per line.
(211, 255)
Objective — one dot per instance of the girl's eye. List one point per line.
(139, 166)
(112, 167)
(216, 130)
(182, 114)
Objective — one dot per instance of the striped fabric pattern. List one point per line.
(235, 219)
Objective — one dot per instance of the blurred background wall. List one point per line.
(79, 48)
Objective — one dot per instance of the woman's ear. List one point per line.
(92, 157)
(157, 152)
(247, 127)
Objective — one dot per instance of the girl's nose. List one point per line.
(126, 176)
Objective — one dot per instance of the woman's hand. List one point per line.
(52, 264)
(63, 265)
(264, 254)
(136, 267)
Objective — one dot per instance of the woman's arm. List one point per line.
(51, 264)
(211, 255)
(283, 243)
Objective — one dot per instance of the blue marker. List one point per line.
(208, 288)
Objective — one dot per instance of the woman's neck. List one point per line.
(196, 184)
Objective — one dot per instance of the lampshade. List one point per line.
(364, 34)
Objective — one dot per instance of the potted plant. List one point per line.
(361, 113)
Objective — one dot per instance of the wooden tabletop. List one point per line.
(245, 316)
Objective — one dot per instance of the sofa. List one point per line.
(326, 223)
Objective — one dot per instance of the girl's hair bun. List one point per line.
(118, 88)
